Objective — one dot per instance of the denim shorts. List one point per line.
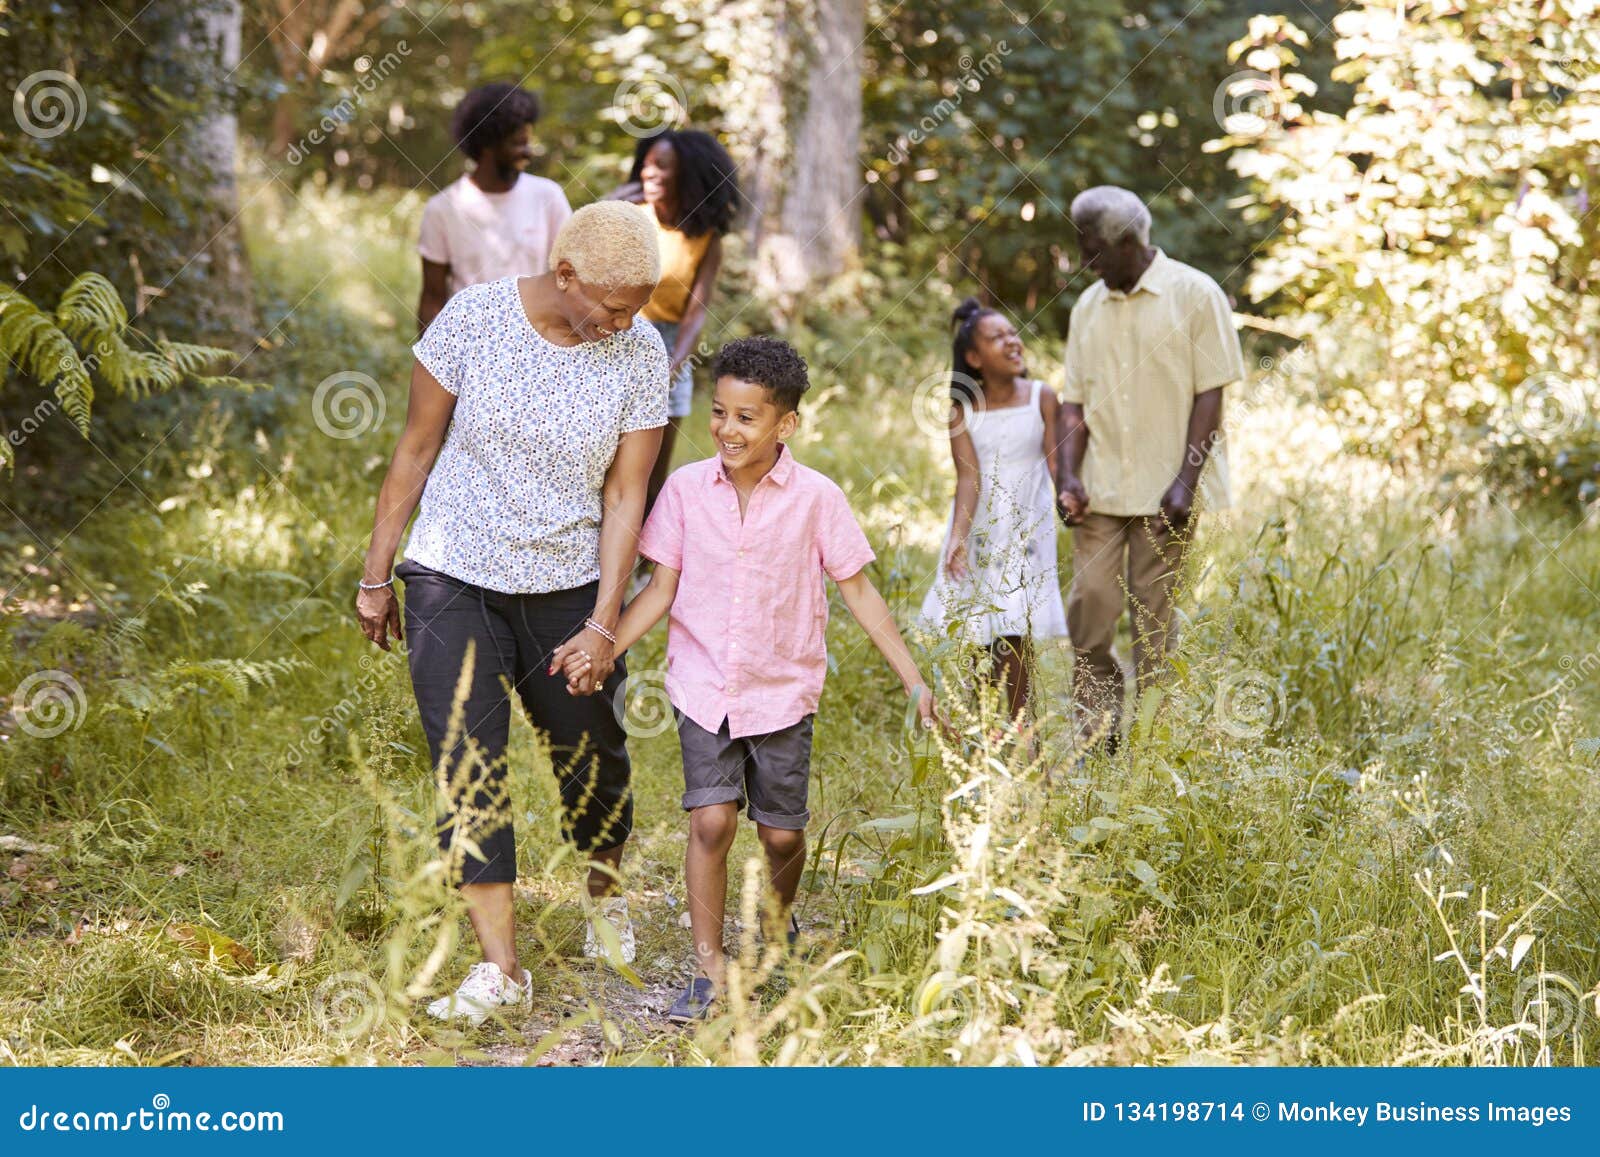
(770, 772)
(512, 637)
(680, 395)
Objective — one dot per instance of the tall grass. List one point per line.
(1354, 827)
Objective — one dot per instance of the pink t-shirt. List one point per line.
(746, 636)
(486, 236)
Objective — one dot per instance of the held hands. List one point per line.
(1073, 500)
(379, 613)
(586, 660)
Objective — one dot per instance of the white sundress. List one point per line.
(1011, 587)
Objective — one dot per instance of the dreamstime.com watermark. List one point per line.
(29, 426)
(1249, 703)
(973, 74)
(348, 404)
(1532, 127)
(650, 104)
(49, 103)
(642, 704)
(158, 1118)
(370, 74)
(49, 703)
(48, 407)
(1242, 104)
(1547, 707)
(375, 670)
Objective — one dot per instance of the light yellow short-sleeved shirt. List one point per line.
(1135, 361)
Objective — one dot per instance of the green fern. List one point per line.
(234, 676)
(45, 353)
(153, 694)
(194, 360)
(86, 339)
(90, 306)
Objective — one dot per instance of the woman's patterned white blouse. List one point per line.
(513, 502)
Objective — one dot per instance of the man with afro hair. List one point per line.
(497, 220)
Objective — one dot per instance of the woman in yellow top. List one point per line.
(688, 180)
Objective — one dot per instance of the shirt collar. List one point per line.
(1152, 280)
(779, 474)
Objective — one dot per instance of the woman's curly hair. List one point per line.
(708, 184)
(489, 114)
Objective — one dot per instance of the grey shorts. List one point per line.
(771, 772)
(680, 394)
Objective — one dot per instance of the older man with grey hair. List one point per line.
(1150, 348)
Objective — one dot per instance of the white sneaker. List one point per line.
(485, 989)
(614, 911)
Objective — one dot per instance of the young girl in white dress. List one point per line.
(997, 581)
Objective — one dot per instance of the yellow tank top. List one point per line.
(680, 262)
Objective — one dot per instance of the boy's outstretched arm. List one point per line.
(637, 618)
(649, 608)
(869, 609)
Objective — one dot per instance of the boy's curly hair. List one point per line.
(489, 114)
(767, 361)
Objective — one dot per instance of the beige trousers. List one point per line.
(1115, 558)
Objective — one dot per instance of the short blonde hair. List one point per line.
(610, 243)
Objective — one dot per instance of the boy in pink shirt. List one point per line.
(742, 543)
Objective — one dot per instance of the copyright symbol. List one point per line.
(1260, 1111)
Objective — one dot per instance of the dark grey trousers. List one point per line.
(514, 637)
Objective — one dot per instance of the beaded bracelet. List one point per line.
(599, 630)
(375, 586)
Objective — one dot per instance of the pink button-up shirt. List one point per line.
(745, 640)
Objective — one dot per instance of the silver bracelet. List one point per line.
(599, 630)
(375, 586)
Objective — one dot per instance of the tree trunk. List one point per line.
(765, 128)
(216, 287)
(285, 120)
(754, 38)
(819, 218)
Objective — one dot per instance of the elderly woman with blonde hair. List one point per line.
(535, 417)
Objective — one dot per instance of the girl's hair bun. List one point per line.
(964, 311)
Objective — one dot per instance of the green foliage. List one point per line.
(101, 184)
(46, 202)
(234, 678)
(1439, 230)
(105, 180)
(978, 127)
(1355, 796)
(86, 339)
(37, 345)
(980, 131)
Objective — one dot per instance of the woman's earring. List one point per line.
(561, 283)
